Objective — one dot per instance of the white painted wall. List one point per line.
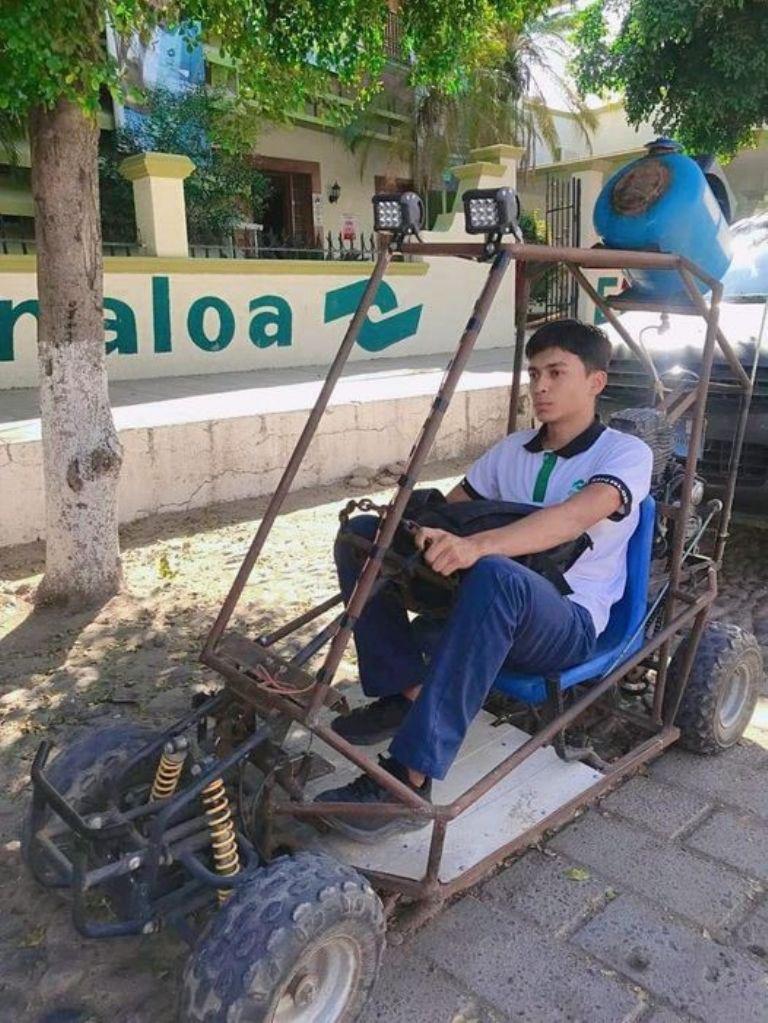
(429, 304)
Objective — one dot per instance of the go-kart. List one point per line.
(209, 826)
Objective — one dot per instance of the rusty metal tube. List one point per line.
(522, 298)
(694, 442)
(636, 347)
(417, 458)
(281, 491)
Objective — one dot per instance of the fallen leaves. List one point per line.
(578, 874)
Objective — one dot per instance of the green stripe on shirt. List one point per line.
(540, 486)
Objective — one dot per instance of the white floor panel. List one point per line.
(533, 791)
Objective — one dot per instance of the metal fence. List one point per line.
(338, 248)
(270, 247)
(563, 210)
(393, 37)
(28, 247)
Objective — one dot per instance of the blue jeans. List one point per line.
(504, 614)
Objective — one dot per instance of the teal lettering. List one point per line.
(273, 325)
(161, 314)
(378, 335)
(603, 284)
(123, 324)
(196, 323)
(9, 316)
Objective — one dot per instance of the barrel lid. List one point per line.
(663, 144)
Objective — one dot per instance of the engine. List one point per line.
(651, 425)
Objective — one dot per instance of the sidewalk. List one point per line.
(651, 907)
(192, 399)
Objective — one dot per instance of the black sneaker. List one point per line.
(365, 790)
(373, 723)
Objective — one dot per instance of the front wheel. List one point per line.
(722, 690)
(301, 941)
(82, 773)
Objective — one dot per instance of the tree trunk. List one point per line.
(81, 449)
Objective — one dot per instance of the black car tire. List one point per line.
(81, 773)
(285, 934)
(722, 690)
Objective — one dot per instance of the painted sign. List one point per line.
(211, 321)
(374, 336)
(249, 315)
(350, 227)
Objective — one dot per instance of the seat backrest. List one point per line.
(629, 612)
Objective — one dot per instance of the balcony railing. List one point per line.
(393, 37)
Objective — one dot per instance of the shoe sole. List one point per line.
(368, 740)
(366, 837)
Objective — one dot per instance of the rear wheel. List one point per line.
(300, 942)
(722, 690)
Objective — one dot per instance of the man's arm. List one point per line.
(458, 494)
(539, 531)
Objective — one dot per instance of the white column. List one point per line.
(491, 167)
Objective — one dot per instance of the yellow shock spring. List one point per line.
(226, 857)
(169, 769)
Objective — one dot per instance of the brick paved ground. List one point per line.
(666, 919)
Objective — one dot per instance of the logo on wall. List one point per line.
(212, 324)
(377, 335)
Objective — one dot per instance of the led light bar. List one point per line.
(492, 211)
(399, 213)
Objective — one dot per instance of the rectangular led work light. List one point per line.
(492, 211)
(398, 213)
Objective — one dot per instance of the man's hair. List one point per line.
(589, 343)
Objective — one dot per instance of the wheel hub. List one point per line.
(304, 990)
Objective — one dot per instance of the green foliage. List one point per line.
(50, 51)
(499, 99)
(534, 226)
(224, 188)
(697, 69)
(11, 130)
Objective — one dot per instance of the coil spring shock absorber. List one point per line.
(226, 857)
(169, 769)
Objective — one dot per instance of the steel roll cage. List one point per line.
(299, 695)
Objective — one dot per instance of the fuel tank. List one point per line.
(662, 202)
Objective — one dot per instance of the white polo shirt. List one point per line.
(520, 468)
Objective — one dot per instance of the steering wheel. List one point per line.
(410, 566)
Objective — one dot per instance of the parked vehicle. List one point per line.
(674, 342)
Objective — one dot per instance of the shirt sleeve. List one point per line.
(627, 467)
(482, 478)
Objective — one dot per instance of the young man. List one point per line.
(586, 478)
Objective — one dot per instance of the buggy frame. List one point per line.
(278, 687)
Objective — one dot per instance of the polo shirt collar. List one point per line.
(577, 446)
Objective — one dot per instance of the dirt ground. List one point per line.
(136, 658)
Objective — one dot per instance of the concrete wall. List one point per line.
(182, 465)
(612, 134)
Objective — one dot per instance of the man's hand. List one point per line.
(446, 553)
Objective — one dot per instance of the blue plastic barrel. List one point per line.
(663, 203)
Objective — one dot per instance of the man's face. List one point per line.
(561, 386)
